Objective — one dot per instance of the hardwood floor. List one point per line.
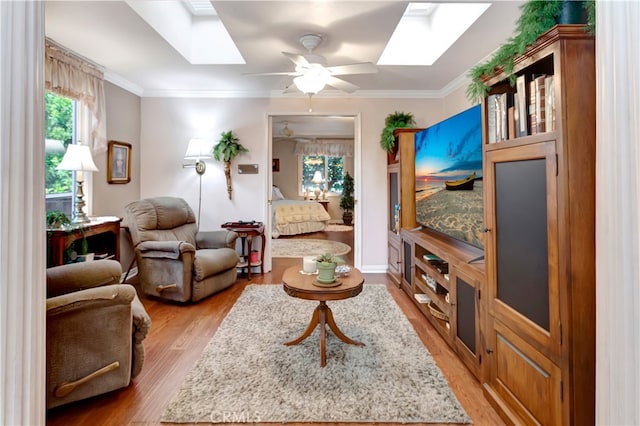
(179, 333)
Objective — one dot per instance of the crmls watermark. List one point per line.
(235, 416)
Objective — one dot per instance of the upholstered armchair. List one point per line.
(175, 261)
(95, 329)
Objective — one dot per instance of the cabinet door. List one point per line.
(393, 198)
(522, 243)
(465, 316)
(394, 261)
(407, 267)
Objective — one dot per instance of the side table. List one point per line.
(325, 204)
(302, 286)
(102, 234)
(247, 231)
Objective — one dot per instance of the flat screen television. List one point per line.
(449, 177)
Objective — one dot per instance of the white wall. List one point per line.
(123, 125)
(167, 124)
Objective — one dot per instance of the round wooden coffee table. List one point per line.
(299, 285)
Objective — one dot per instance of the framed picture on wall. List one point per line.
(119, 162)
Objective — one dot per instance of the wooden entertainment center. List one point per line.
(520, 313)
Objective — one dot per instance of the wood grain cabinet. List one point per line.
(400, 198)
(539, 306)
(452, 286)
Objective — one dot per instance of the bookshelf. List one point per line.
(538, 322)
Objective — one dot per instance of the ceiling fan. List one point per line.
(287, 134)
(311, 73)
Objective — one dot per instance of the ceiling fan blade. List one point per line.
(290, 89)
(339, 84)
(299, 60)
(361, 68)
(291, 73)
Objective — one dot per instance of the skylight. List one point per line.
(427, 30)
(192, 28)
(200, 7)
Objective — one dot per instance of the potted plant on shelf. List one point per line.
(226, 150)
(327, 264)
(56, 219)
(536, 18)
(394, 121)
(347, 203)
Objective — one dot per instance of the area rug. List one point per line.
(306, 247)
(247, 374)
(334, 227)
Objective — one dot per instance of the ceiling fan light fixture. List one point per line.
(310, 84)
(313, 78)
(286, 130)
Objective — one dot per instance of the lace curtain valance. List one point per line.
(329, 147)
(69, 75)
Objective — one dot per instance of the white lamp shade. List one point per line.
(198, 149)
(78, 157)
(317, 177)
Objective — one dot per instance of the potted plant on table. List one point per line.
(57, 219)
(226, 150)
(327, 264)
(347, 203)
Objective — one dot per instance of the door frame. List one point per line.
(357, 172)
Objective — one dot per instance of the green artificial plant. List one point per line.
(329, 258)
(394, 121)
(536, 17)
(226, 150)
(347, 203)
(57, 219)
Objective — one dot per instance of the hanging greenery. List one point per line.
(537, 16)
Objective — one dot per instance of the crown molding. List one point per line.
(125, 84)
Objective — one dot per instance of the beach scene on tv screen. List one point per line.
(449, 177)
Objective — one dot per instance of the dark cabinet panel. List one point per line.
(521, 238)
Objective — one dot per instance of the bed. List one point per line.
(293, 217)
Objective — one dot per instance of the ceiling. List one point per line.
(137, 58)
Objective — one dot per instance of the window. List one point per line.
(331, 173)
(60, 124)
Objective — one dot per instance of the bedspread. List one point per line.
(292, 217)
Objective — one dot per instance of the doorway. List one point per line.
(294, 141)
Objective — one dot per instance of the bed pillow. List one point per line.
(276, 194)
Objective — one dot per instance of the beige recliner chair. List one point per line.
(95, 329)
(175, 261)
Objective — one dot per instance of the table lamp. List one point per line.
(317, 179)
(78, 159)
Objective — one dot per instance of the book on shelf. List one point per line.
(521, 106)
(511, 121)
(491, 118)
(539, 87)
(533, 119)
(422, 298)
(431, 258)
(550, 106)
(498, 106)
